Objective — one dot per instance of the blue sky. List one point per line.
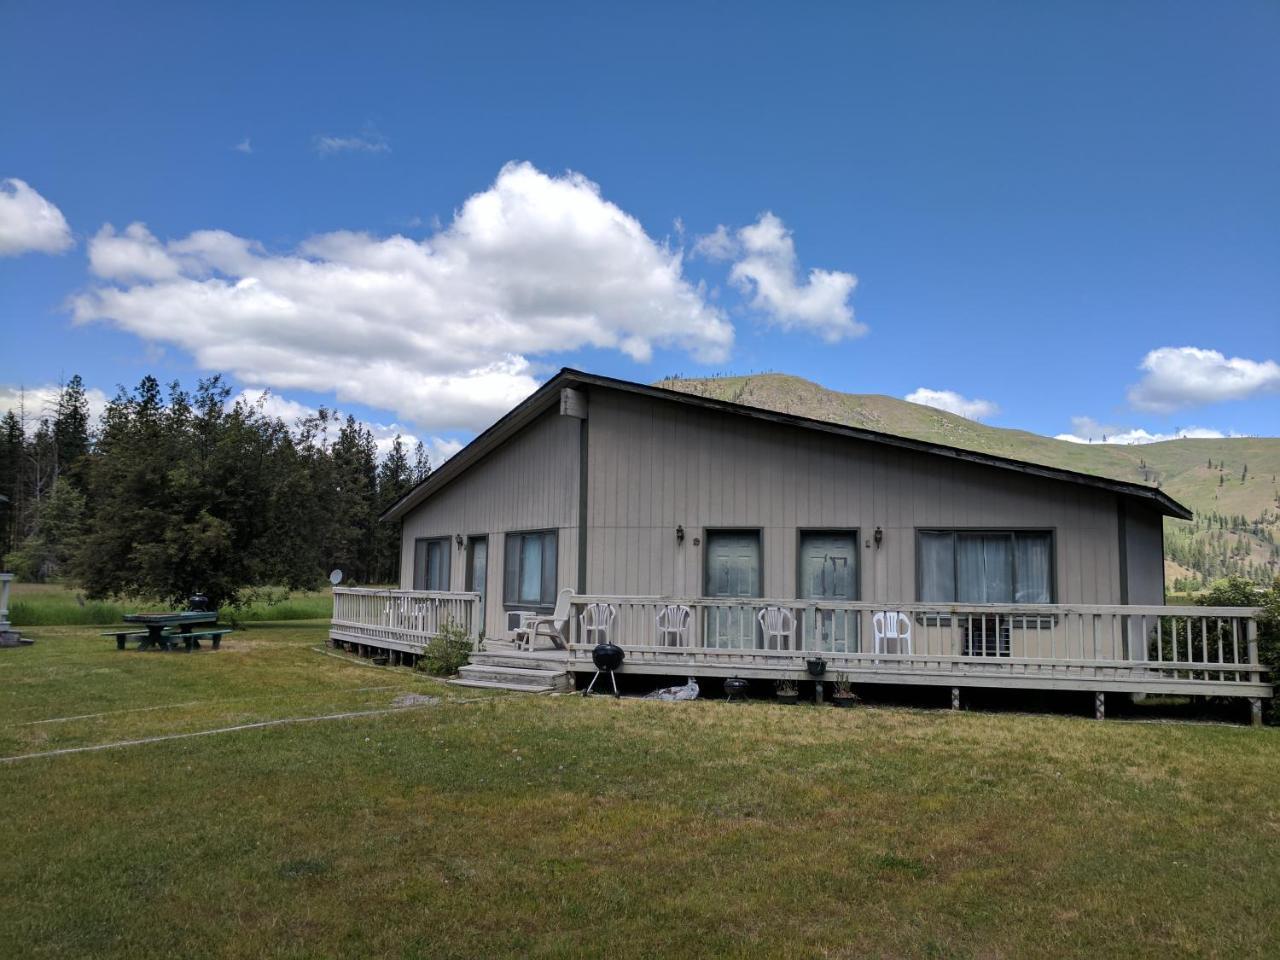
(1034, 199)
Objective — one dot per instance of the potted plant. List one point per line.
(842, 693)
(788, 691)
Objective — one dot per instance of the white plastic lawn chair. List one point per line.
(673, 625)
(597, 619)
(552, 626)
(779, 627)
(892, 625)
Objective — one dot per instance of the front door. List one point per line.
(829, 571)
(733, 571)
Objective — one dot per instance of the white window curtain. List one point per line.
(984, 568)
(937, 567)
(1034, 562)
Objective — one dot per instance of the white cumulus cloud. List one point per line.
(953, 402)
(444, 332)
(29, 223)
(717, 245)
(1088, 430)
(41, 402)
(766, 269)
(1179, 377)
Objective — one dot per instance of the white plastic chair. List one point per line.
(534, 625)
(673, 623)
(596, 621)
(892, 625)
(779, 627)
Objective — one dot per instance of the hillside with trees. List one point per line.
(1230, 483)
(172, 493)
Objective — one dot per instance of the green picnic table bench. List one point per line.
(164, 630)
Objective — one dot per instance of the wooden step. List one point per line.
(521, 661)
(514, 678)
(501, 685)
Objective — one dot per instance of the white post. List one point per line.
(5, 580)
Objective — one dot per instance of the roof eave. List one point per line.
(528, 408)
(545, 396)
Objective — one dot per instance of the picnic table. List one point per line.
(163, 630)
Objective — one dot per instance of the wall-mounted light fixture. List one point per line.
(878, 536)
(680, 533)
(458, 540)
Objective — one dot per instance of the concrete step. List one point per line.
(489, 671)
(515, 678)
(500, 685)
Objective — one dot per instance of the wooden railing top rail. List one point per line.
(933, 608)
(835, 658)
(395, 592)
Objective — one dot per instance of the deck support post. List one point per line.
(955, 698)
(1100, 706)
(817, 692)
(1255, 711)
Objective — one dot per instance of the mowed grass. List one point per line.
(556, 826)
(55, 604)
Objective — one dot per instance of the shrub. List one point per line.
(447, 651)
(1239, 592)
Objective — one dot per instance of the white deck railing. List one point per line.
(401, 619)
(1191, 649)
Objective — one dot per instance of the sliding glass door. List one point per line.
(828, 570)
(732, 572)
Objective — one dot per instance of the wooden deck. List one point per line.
(1177, 650)
(1203, 651)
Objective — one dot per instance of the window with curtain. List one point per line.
(431, 564)
(987, 566)
(529, 569)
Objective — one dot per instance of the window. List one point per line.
(431, 564)
(828, 570)
(529, 571)
(987, 566)
(732, 571)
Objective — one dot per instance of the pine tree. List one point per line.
(421, 463)
(395, 479)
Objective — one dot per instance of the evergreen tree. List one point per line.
(395, 479)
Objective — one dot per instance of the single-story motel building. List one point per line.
(716, 540)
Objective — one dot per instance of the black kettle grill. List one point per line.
(607, 657)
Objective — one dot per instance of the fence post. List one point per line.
(1251, 632)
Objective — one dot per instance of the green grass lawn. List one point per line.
(556, 826)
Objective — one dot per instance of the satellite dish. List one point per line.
(335, 577)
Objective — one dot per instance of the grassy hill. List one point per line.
(1237, 522)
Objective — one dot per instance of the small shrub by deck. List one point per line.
(447, 652)
(1239, 592)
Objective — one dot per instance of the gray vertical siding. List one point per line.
(1144, 555)
(654, 464)
(529, 483)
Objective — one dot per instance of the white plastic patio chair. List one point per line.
(892, 625)
(779, 627)
(673, 622)
(597, 620)
(552, 626)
